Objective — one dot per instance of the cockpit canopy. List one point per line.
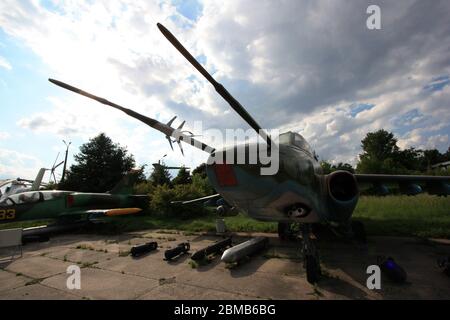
(22, 198)
(32, 197)
(296, 140)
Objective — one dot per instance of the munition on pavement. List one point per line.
(180, 249)
(137, 251)
(216, 247)
(244, 249)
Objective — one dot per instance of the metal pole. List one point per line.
(65, 160)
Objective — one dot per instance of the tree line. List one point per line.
(381, 155)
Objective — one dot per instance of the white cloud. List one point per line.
(4, 63)
(15, 164)
(299, 66)
(4, 135)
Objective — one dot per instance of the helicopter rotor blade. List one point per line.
(161, 127)
(217, 86)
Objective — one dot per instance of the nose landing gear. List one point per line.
(311, 261)
(309, 251)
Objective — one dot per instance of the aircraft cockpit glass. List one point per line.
(294, 139)
(300, 142)
(26, 197)
(285, 138)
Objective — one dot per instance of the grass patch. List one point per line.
(124, 253)
(85, 247)
(88, 264)
(422, 215)
(189, 226)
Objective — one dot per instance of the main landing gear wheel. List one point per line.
(288, 231)
(313, 271)
(283, 230)
(310, 256)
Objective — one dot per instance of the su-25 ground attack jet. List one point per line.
(298, 193)
(70, 206)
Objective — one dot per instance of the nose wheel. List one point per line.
(311, 261)
(310, 254)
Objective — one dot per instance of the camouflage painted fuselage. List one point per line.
(37, 205)
(299, 183)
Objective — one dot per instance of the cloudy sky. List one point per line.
(306, 66)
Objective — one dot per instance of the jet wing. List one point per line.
(203, 199)
(408, 184)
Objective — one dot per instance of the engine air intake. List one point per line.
(342, 186)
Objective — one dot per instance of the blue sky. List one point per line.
(308, 67)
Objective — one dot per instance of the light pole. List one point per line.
(65, 160)
(159, 161)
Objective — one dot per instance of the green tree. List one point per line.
(201, 170)
(202, 185)
(163, 201)
(343, 166)
(326, 167)
(431, 157)
(380, 153)
(99, 166)
(379, 145)
(160, 175)
(409, 160)
(183, 177)
(447, 155)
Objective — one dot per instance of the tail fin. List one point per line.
(38, 180)
(125, 186)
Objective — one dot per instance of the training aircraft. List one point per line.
(70, 206)
(298, 193)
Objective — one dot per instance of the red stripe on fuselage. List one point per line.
(225, 175)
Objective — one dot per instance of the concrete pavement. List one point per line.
(108, 272)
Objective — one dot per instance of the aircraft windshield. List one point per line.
(26, 197)
(300, 142)
(285, 138)
(295, 139)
